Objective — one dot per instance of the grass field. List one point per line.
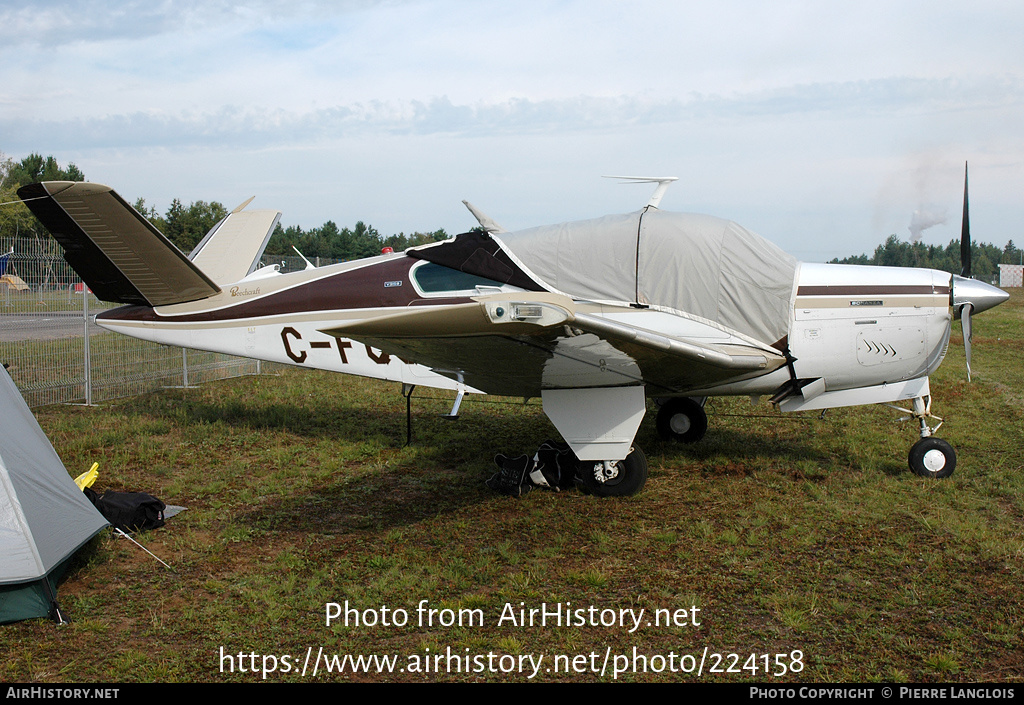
(778, 534)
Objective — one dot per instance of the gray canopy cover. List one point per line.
(700, 265)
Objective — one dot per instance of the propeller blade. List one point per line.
(965, 235)
(965, 321)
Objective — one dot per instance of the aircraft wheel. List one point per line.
(932, 457)
(627, 476)
(683, 420)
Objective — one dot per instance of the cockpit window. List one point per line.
(433, 278)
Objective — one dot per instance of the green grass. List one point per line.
(787, 533)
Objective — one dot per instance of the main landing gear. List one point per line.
(555, 467)
(599, 424)
(613, 478)
(682, 419)
(930, 456)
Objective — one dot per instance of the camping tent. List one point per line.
(13, 282)
(44, 517)
(10, 281)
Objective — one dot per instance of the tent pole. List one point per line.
(55, 612)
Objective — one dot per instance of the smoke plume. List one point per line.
(924, 218)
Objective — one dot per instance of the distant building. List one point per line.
(1011, 275)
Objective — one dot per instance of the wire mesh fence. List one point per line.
(293, 263)
(56, 353)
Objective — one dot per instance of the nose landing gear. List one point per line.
(930, 456)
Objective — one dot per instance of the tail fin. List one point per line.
(232, 248)
(115, 250)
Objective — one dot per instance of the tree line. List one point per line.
(186, 226)
(985, 258)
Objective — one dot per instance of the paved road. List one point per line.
(43, 325)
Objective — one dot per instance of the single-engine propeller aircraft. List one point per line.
(591, 316)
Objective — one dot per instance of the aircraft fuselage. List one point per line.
(851, 326)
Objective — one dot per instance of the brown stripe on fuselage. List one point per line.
(872, 290)
(359, 288)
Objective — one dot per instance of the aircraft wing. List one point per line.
(519, 344)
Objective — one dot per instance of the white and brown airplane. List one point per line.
(592, 316)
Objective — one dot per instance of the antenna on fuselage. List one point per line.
(309, 265)
(659, 190)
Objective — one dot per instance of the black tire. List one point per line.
(630, 478)
(682, 420)
(932, 457)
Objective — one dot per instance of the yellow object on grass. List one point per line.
(87, 478)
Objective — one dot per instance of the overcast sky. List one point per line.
(822, 126)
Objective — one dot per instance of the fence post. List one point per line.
(184, 368)
(87, 361)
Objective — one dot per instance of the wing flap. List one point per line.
(115, 250)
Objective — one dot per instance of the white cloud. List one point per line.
(794, 115)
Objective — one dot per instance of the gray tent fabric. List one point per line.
(697, 265)
(44, 517)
